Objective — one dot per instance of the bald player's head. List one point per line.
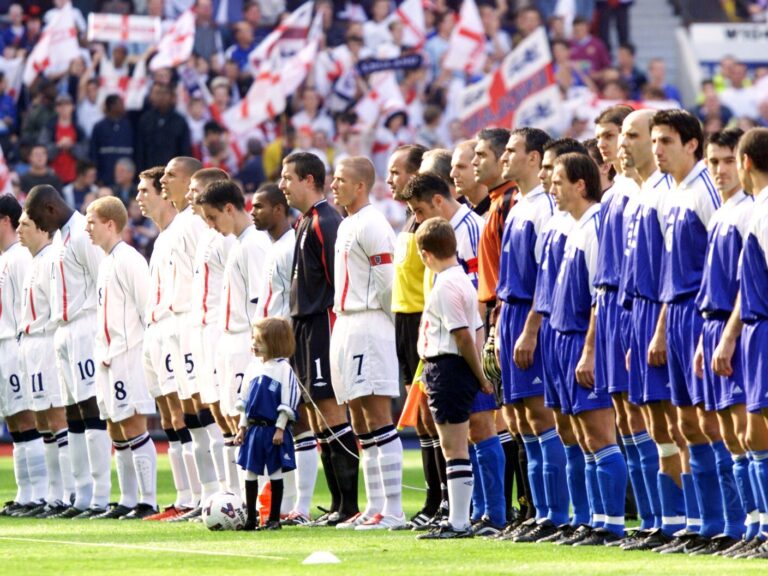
(47, 208)
(176, 178)
(361, 169)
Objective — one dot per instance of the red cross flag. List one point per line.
(176, 46)
(466, 46)
(520, 93)
(411, 14)
(285, 40)
(56, 48)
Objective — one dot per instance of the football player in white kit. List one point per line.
(223, 203)
(188, 229)
(76, 265)
(35, 350)
(364, 372)
(270, 213)
(210, 258)
(121, 389)
(15, 397)
(157, 360)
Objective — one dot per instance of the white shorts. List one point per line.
(235, 350)
(177, 341)
(73, 343)
(205, 344)
(15, 395)
(363, 356)
(40, 373)
(121, 390)
(156, 360)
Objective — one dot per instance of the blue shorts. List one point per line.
(755, 363)
(625, 333)
(721, 392)
(483, 403)
(451, 388)
(610, 365)
(258, 454)
(646, 383)
(547, 346)
(517, 384)
(574, 398)
(684, 325)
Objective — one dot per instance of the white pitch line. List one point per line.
(144, 548)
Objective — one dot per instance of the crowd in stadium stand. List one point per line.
(74, 133)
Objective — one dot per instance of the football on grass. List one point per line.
(224, 511)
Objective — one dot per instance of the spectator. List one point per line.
(740, 96)
(527, 20)
(630, 73)
(215, 150)
(112, 139)
(84, 183)
(711, 105)
(89, 110)
(437, 45)
(244, 43)
(276, 150)
(270, 10)
(252, 174)
(657, 78)
(311, 115)
(376, 30)
(140, 231)
(197, 116)
(41, 111)
(163, 133)
(208, 41)
(614, 11)
(15, 34)
(428, 135)
(39, 172)
(252, 15)
(9, 115)
(498, 43)
(588, 52)
(124, 180)
(65, 141)
(52, 13)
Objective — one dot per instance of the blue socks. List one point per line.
(491, 462)
(577, 484)
(746, 494)
(536, 474)
(555, 483)
(593, 491)
(706, 483)
(672, 504)
(760, 463)
(635, 472)
(478, 497)
(612, 479)
(693, 517)
(733, 511)
(649, 464)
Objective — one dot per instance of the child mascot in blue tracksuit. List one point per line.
(269, 401)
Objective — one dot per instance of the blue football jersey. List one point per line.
(555, 235)
(522, 245)
(645, 237)
(754, 264)
(610, 253)
(574, 293)
(275, 389)
(725, 238)
(686, 217)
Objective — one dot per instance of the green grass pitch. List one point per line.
(65, 547)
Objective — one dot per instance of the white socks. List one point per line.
(390, 462)
(307, 461)
(81, 470)
(144, 456)
(179, 473)
(99, 451)
(126, 474)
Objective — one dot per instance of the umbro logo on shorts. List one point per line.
(320, 384)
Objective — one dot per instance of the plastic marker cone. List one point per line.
(321, 558)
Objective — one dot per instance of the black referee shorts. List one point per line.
(451, 388)
(406, 338)
(311, 361)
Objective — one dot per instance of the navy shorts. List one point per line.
(610, 365)
(451, 388)
(258, 454)
(517, 384)
(721, 392)
(684, 325)
(547, 345)
(574, 398)
(311, 361)
(646, 383)
(755, 362)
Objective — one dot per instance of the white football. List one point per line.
(224, 511)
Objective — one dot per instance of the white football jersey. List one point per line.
(75, 269)
(14, 264)
(243, 278)
(363, 264)
(274, 300)
(188, 229)
(122, 288)
(36, 306)
(210, 259)
(160, 278)
(451, 305)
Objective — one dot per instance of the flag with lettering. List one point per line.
(516, 88)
